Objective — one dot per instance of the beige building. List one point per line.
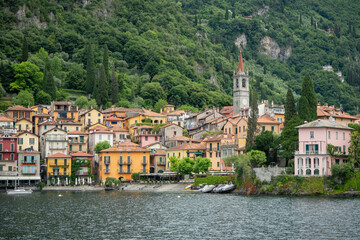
(24, 125)
(53, 141)
(28, 140)
(78, 141)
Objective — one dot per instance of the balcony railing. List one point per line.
(28, 173)
(8, 173)
(123, 171)
(144, 163)
(58, 174)
(128, 162)
(161, 163)
(59, 165)
(106, 171)
(28, 162)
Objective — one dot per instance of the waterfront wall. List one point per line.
(265, 174)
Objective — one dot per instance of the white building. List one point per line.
(99, 135)
(54, 141)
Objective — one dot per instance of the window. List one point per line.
(146, 138)
(239, 129)
(89, 114)
(98, 120)
(243, 128)
(179, 154)
(135, 121)
(336, 135)
(272, 128)
(218, 146)
(20, 148)
(300, 166)
(237, 83)
(343, 135)
(226, 130)
(337, 161)
(109, 136)
(128, 169)
(45, 127)
(31, 141)
(20, 140)
(19, 127)
(311, 134)
(89, 121)
(70, 148)
(55, 161)
(210, 146)
(1, 158)
(211, 154)
(12, 147)
(329, 136)
(12, 157)
(224, 153)
(128, 160)
(218, 164)
(160, 159)
(312, 148)
(65, 162)
(10, 168)
(236, 130)
(229, 130)
(144, 159)
(100, 137)
(263, 128)
(156, 138)
(344, 148)
(80, 147)
(244, 83)
(98, 114)
(81, 139)
(121, 168)
(107, 170)
(77, 128)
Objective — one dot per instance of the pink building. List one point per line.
(145, 135)
(314, 137)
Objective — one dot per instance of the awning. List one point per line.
(11, 178)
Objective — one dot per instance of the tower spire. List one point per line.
(241, 64)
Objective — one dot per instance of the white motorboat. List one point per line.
(207, 188)
(218, 188)
(227, 188)
(19, 191)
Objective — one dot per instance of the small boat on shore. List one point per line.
(207, 188)
(227, 188)
(19, 191)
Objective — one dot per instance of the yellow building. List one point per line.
(18, 112)
(78, 141)
(267, 123)
(218, 148)
(24, 125)
(167, 109)
(191, 150)
(91, 117)
(155, 118)
(70, 126)
(58, 165)
(39, 109)
(122, 160)
(326, 111)
(28, 140)
(63, 111)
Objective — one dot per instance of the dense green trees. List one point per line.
(25, 98)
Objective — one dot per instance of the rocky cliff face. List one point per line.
(24, 21)
(241, 41)
(269, 47)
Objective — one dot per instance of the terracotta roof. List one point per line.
(189, 146)
(19, 108)
(59, 155)
(181, 138)
(207, 115)
(159, 152)
(234, 121)
(112, 119)
(213, 120)
(327, 111)
(175, 113)
(77, 133)
(218, 137)
(122, 109)
(49, 122)
(70, 123)
(62, 103)
(267, 119)
(126, 147)
(42, 115)
(119, 129)
(81, 154)
(169, 105)
(320, 123)
(90, 111)
(152, 114)
(5, 118)
(227, 109)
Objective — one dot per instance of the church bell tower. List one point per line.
(240, 88)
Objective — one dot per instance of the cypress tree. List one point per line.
(25, 51)
(227, 14)
(95, 92)
(195, 21)
(252, 121)
(48, 82)
(308, 92)
(103, 87)
(311, 21)
(290, 109)
(106, 62)
(90, 70)
(114, 87)
(304, 111)
(300, 19)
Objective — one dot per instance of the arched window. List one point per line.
(308, 162)
(316, 163)
(316, 172)
(300, 166)
(237, 83)
(308, 172)
(244, 83)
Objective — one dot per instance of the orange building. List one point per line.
(325, 112)
(122, 160)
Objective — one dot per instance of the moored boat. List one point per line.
(207, 188)
(19, 191)
(227, 188)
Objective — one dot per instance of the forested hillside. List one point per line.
(183, 52)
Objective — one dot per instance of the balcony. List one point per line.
(125, 163)
(28, 173)
(144, 163)
(124, 171)
(28, 162)
(59, 165)
(56, 174)
(161, 163)
(8, 173)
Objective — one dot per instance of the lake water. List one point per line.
(126, 215)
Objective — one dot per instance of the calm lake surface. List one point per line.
(126, 215)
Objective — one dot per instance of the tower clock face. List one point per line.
(244, 101)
